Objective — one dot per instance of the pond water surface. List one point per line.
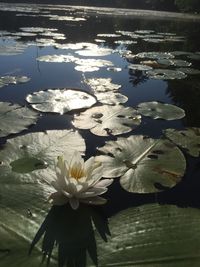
(88, 46)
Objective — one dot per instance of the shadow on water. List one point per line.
(72, 232)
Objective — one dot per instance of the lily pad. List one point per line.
(57, 58)
(165, 74)
(12, 50)
(99, 52)
(188, 139)
(108, 120)
(15, 118)
(152, 236)
(139, 67)
(111, 98)
(155, 55)
(101, 85)
(158, 110)
(145, 165)
(6, 80)
(31, 158)
(60, 100)
(174, 62)
(190, 71)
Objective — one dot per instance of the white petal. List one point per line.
(74, 203)
(58, 199)
(92, 192)
(103, 183)
(94, 200)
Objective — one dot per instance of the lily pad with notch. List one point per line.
(144, 165)
(188, 139)
(157, 110)
(108, 120)
(15, 118)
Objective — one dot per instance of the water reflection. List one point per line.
(72, 232)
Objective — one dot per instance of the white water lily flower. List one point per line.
(79, 181)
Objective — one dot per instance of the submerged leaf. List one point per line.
(188, 139)
(108, 120)
(145, 165)
(158, 110)
(15, 118)
(60, 100)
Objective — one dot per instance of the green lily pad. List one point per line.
(111, 98)
(174, 62)
(101, 85)
(152, 236)
(155, 55)
(165, 74)
(57, 58)
(12, 50)
(15, 118)
(98, 52)
(190, 71)
(60, 100)
(139, 67)
(145, 165)
(158, 110)
(108, 120)
(6, 80)
(188, 139)
(31, 158)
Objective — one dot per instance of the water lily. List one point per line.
(79, 181)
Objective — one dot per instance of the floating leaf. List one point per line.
(101, 85)
(189, 71)
(139, 67)
(60, 100)
(57, 58)
(158, 110)
(15, 118)
(154, 55)
(188, 139)
(11, 50)
(31, 158)
(112, 35)
(108, 120)
(111, 98)
(98, 52)
(145, 165)
(174, 62)
(152, 236)
(6, 80)
(165, 74)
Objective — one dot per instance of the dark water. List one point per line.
(183, 93)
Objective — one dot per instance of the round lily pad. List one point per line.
(158, 110)
(155, 55)
(188, 139)
(15, 118)
(139, 67)
(165, 74)
(111, 98)
(145, 165)
(174, 62)
(190, 71)
(108, 120)
(6, 80)
(60, 100)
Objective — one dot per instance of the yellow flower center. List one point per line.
(76, 172)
